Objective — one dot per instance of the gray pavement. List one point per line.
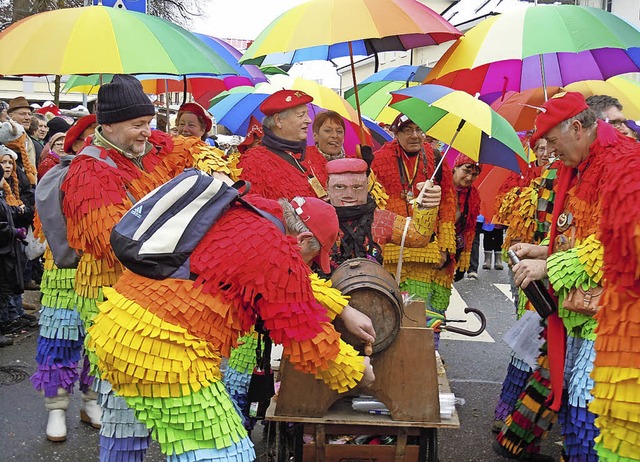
(475, 371)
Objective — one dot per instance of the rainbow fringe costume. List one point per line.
(419, 275)
(160, 342)
(616, 372)
(96, 197)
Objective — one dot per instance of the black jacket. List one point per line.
(11, 254)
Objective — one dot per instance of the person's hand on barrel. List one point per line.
(359, 324)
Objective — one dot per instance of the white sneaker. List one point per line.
(57, 425)
(91, 412)
(472, 275)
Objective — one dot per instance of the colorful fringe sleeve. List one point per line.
(377, 191)
(580, 266)
(210, 159)
(567, 271)
(332, 299)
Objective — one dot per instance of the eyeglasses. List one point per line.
(408, 131)
(472, 172)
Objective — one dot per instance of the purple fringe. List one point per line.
(86, 380)
(579, 431)
(49, 378)
(132, 449)
(514, 383)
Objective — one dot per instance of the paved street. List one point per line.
(475, 367)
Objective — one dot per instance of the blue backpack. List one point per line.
(156, 237)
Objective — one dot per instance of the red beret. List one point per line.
(462, 159)
(76, 130)
(283, 100)
(346, 165)
(199, 111)
(560, 107)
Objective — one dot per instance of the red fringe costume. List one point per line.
(159, 342)
(419, 273)
(616, 369)
(96, 197)
(274, 178)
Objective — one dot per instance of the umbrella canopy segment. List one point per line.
(538, 30)
(520, 109)
(560, 69)
(155, 84)
(381, 25)
(375, 91)
(98, 39)
(231, 55)
(403, 73)
(626, 90)
(466, 123)
(375, 98)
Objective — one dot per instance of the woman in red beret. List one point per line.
(193, 120)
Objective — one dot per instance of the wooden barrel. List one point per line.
(373, 291)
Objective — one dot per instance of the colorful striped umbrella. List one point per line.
(545, 45)
(380, 25)
(464, 122)
(98, 39)
(375, 90)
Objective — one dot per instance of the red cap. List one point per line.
(462, 159)
(198, 110)
(560, 107)
(255, 129)
(321, 219)
(347, 165)
(283, 100)
(52, 108)
(77, 129)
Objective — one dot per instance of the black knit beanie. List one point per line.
(56, 125)
(122, 99)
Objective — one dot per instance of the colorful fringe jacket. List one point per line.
(160, 342)
(419, 274)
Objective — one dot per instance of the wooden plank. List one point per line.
(320, 443)
(360, 452)
(401, 444)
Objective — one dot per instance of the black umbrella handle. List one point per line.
(469, 333)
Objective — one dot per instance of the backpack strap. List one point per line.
(243, 184)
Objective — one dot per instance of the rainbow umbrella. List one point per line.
(464, 122)
(98, 39)
(356, 26)
(540, 46)
(375, 91)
